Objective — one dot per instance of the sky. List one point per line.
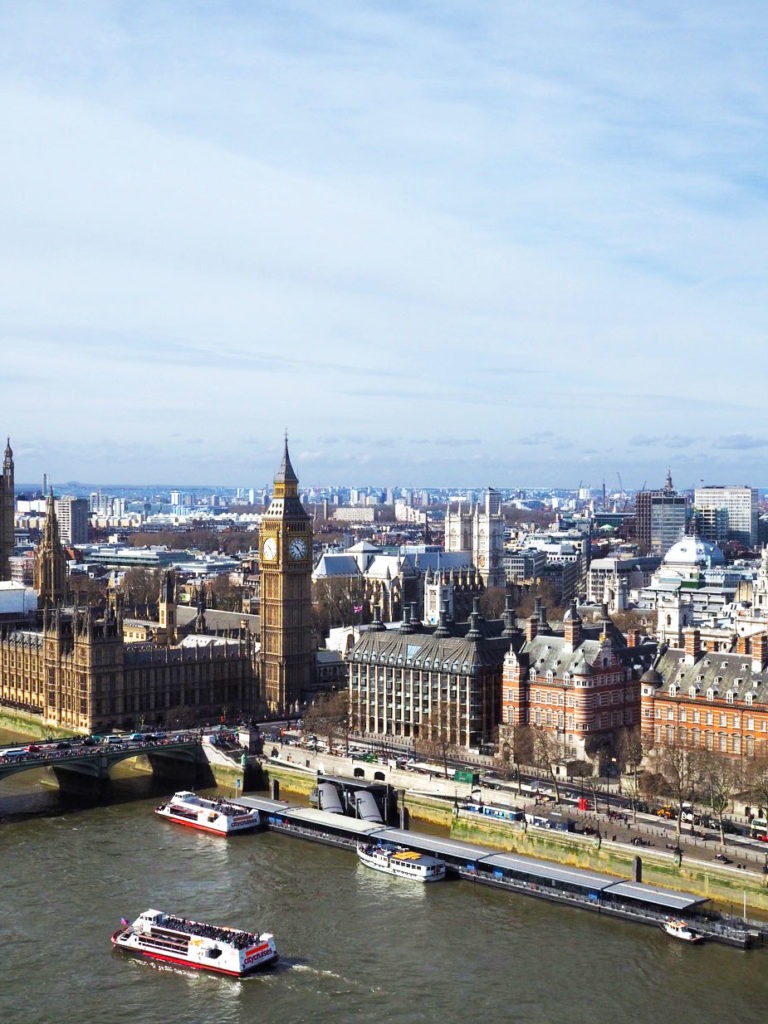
(454, 243)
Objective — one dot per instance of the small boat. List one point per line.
(222, 817)
(680, 930)
(176, 940)
(396, 860)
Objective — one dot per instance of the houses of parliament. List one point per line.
(75, 668)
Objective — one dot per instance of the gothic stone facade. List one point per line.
(78, 673)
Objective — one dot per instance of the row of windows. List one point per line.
(721, 742)
(711, 694)
(708, 718)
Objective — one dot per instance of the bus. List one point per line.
(758, 829)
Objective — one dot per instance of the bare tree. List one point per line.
(436, 736)
(549, 753)
(492, 602)
(140, 588)
(720, 777)
(329, 716)
(756, 781)
(515, 748)
(682, 769)
(629, 755)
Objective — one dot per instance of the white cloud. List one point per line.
(511, 222)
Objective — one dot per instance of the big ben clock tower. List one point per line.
(285, 557)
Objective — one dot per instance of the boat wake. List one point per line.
(352, 984)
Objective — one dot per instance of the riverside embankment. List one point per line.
(611, 848)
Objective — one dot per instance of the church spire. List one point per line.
(286, 481)
(286, 474)
(51, 561)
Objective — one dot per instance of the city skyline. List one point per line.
(443, 247)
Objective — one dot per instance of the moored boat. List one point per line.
(679, 929)
(396, 860)
(222, 817)
(156, 935)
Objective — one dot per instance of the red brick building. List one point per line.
(707, 699)
(582, 685)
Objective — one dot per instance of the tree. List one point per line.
(720, 776)
(334, 603)
(329, 715)
(492, 602)
(225, 594)
(515, 747)
(435, 739)
(140, 588)
(549, 753)
(756, 782)
(682, 769)
(549, 598)
(629, 755)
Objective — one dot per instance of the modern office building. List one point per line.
(660, 518)
(6, 513)
(73, 515)
(733, 509)
(430, 684)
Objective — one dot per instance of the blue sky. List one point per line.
(454, 243)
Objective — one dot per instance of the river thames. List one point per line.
(355, 946)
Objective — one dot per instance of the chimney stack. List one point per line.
(692, 645)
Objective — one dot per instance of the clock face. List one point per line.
(269, 551)
(297, 548)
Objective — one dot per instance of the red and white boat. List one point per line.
(222, 817)
(176, 940)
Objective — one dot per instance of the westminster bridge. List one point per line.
(76, 764)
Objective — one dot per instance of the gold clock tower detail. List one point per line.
(285, 556)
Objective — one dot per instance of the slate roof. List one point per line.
(713, 670)
(423, 649)
(332, 564)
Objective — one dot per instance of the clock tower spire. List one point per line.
(285, 549)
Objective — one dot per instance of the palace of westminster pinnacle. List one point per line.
(71, 667)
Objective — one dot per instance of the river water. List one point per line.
(356, 946)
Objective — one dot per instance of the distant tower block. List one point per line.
(7, 506)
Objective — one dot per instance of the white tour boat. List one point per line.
(395, 860)
(175, 940)
(219, 816)
(680, 930)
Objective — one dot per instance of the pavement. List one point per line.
(643, 831)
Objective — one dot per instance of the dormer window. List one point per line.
(532, 675)
(729, 696)
(748, 698)
(550, 676)
(693, 692)
(710, 694)
(673, 690)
